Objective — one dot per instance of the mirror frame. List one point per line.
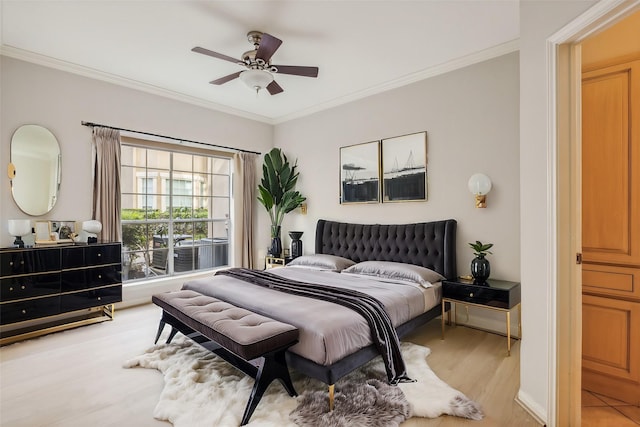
(42, 146)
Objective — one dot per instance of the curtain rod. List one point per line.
(90, 124)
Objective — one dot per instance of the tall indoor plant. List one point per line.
(277, 192)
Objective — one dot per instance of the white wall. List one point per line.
(538, 21)
(472, 123)
(59, 101)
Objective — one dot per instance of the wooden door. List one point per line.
(611, 231)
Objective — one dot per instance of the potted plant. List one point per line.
(480, 267)
(277, 193)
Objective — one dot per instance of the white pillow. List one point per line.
(321, 261)
(396, 271)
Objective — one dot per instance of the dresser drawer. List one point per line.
(91, 298)
(86, 278)
(91, 255)
(496, 293)
(31, 309)
(29, 261)
(36, 285)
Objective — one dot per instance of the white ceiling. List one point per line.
(361, 47)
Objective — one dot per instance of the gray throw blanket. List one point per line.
(383, 333)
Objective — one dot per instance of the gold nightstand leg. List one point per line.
(443, 318)
(508, 333)
(520, 321)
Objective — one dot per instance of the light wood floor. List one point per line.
(75, 378)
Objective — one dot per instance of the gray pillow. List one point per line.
(396, 271)
(322, 262)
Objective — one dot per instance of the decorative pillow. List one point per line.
(322, 261)
(396, 271)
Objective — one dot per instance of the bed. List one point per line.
(335, 340)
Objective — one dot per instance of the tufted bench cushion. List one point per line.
(247, 334)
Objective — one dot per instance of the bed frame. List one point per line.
(428, 244)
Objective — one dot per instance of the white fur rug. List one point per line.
(202, 389)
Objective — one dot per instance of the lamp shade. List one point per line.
(479, 184)
(19, 227)
(92, 226)
(256, 79)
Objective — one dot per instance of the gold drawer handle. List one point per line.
(99, 255)
(99, 298)
(11, 263)
(99, 276)
(23, 287)
(471, 295)
(21, 262)
(10, 289)
(24, 311)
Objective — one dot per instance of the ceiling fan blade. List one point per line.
(268, 46)
(274, 88)
(208, 52)
(225, 79)
(297, 70)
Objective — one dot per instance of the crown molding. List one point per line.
(464, 61)
(69, 67)
(474, 58)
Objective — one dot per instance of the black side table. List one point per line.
(497, 295)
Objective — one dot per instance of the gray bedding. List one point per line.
(328, 332)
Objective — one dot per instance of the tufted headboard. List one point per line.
(428, 244)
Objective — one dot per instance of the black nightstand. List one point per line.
(497, 295)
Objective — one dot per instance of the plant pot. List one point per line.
(480, 269)
(275, 249)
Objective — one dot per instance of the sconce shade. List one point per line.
(479, 184)
(256, 79)
(92, 226)
(19, 227)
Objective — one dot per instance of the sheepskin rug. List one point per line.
(202, 389)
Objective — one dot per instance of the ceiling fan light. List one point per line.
(256, 79)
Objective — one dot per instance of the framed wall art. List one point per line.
(404, 168)
(360, 173)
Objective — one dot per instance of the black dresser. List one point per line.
(48, 289)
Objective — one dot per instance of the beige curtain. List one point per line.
(106, 182)
(244, 199)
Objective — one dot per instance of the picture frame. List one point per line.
(360, 173)
(43, 232)
(404, 168)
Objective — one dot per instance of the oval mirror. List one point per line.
(35, 155)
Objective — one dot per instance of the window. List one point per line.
(175, 212)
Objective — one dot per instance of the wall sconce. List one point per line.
(19, 228)
(480, 185)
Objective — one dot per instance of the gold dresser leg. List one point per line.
(331, 389)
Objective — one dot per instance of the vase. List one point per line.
(296, 243)
(480, 269)
(275, 249)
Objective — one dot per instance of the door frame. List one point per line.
(564, 213)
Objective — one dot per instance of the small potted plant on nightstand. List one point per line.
(480, 267)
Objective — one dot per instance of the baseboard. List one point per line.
(528, 404)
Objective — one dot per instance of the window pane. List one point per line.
(133, 156)
(201, 164)
(158, 159)
(201, 184)
(182, 162)
(220, 185)
(221, 166)
(220, 207)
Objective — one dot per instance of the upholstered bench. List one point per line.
(253, 343)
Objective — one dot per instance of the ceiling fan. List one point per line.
(259, 71)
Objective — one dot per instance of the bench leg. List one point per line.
(160, 329)
(272, 366)
(173, 333)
